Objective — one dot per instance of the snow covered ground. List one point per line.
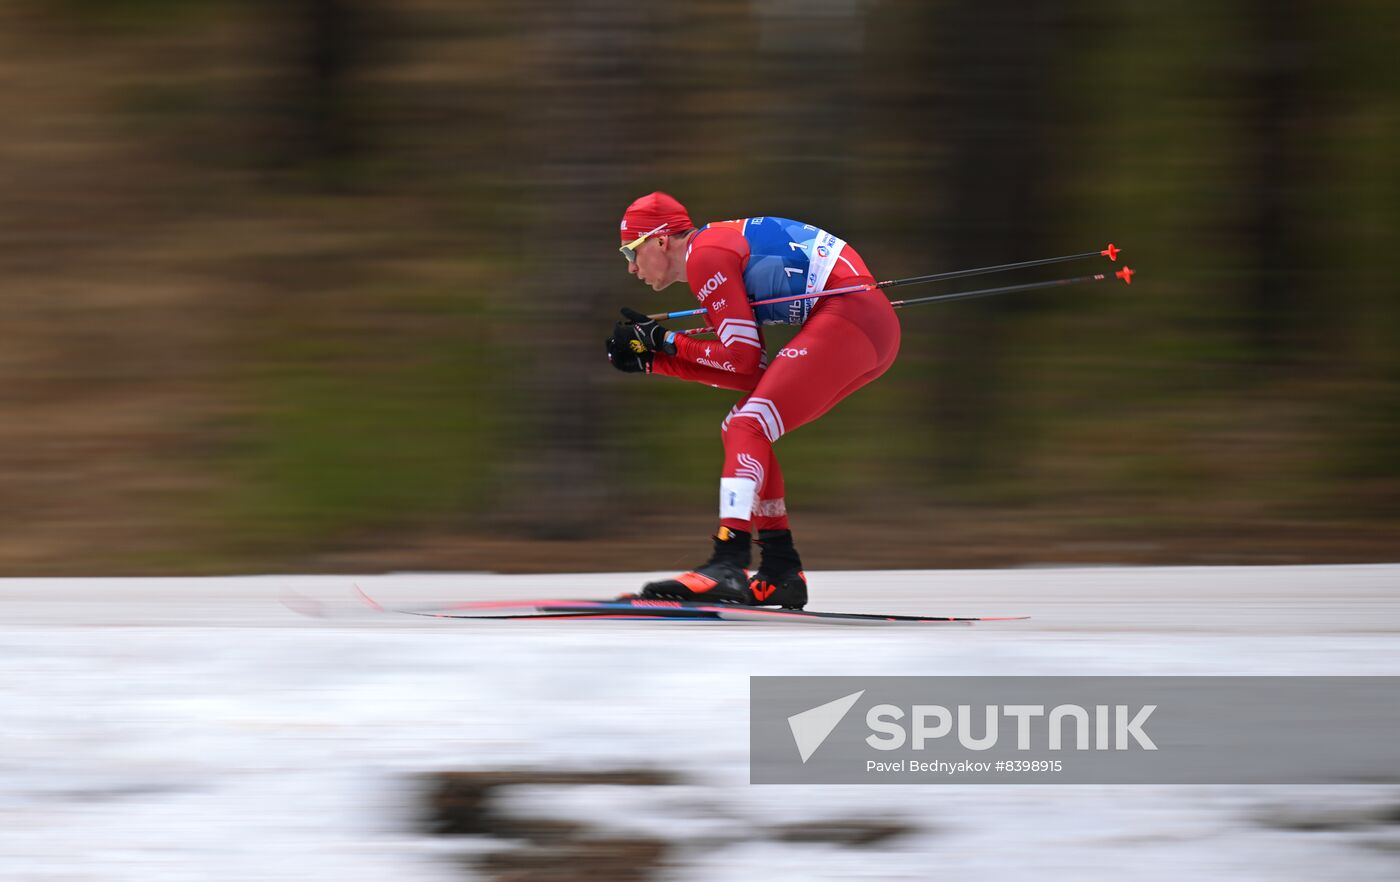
(198, 729)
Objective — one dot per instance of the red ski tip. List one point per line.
(1126, 274)
(1111, 251)
(367, 600)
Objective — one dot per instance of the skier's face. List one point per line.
(653, 263)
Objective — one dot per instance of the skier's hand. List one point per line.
(624, 359)
(636, 330)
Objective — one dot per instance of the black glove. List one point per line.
(646, 332)
(627, 361)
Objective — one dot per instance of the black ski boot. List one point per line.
(723, 579)
(779, 580)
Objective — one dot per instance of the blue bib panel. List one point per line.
(787, 258)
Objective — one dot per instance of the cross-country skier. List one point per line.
(846, 341)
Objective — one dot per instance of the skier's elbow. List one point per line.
(749, 363)
(747, 381)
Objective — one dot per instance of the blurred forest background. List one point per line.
(323, 284)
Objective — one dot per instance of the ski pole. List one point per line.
(1126, 274)
(1111, 252)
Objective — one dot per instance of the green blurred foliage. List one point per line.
(368, 248)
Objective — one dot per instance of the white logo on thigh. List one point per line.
(792, 353)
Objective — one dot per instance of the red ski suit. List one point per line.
(847, 341)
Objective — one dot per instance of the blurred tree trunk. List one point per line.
(807, 121)
(588, 138)
(313, 115)
(995, 63)
(1279, 169)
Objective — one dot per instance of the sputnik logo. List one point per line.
(812, 727)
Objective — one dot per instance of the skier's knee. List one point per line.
(745, 433)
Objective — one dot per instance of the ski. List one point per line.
(636, 608)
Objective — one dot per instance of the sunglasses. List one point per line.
(629, 250)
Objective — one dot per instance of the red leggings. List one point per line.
(847, 341)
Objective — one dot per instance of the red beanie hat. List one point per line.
(651, 211)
